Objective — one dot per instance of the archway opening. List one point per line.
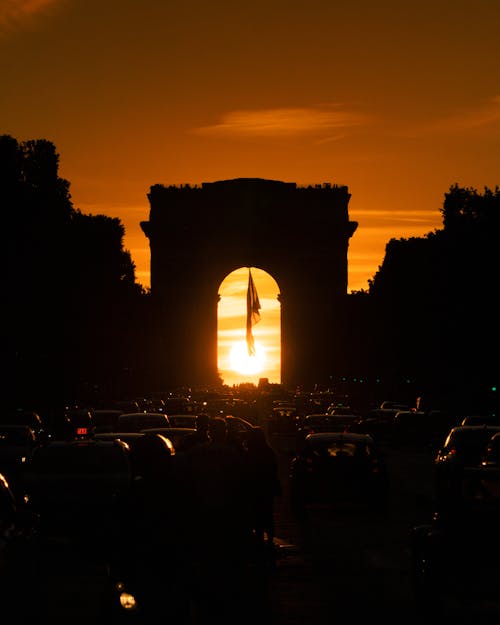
(235, 364)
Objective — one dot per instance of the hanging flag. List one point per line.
(253, 314)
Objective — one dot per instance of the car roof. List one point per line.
(339, 436)
(463, 432)
(474, 428)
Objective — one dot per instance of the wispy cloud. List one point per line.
(485, 114)
(14, 14)
(480, 117)
(285, 122)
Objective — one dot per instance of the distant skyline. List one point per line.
(396, 100)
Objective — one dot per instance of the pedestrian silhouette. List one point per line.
(218, 517)
(199, 437)
(264, 486)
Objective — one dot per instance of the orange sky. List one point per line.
(397, 100)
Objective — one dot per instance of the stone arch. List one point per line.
(199, 234)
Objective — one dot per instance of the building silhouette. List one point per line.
(200, 234)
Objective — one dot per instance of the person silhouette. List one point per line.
(218, 521)
(264, 486)
(199, 437)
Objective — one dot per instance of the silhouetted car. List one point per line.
(411, 427)
(481, 419)
(342, 411)
(457, 554)
(137, 421)
(17, 443)
(175, 435)
(29, 418)
(150, 451)
(182, 420)
(283, 420)
(378, 423)
(394, 405)
(322, 422)
(105, 419)
(80, 490)
(80, 423)
(338, 468)
(17, 558)
(464, 446)
(492, 454)
(238, 427)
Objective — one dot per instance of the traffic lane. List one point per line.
(339, 565)
(347, 562)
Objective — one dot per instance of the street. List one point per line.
(340, 564)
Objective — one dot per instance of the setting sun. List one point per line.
(242, 362)
(234, 363)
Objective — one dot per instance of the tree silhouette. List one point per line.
(70, 284)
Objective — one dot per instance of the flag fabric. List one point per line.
(253, 314)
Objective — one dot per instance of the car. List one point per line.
(481, 419)
(183, 420)
(150, 452)
(492, 454)
(238, 428)
(105, 419)
(137, 421)
(175, 435)
(283, 420)
(464, 446)
(17, 443)
(323, 422)
(337, 468)
(18, 528)
(456, 555)
(378, 422)
(411, 428)
(394, 405)
(346, 411)
(80, 422)
(30, 418)
(80, 490)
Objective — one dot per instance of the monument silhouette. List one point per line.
(200, 234)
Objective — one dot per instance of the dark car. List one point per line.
(150, 452)
(481, 419)
(337, 468)
(137, 421)
(17, 558)
(238, 428)
(456, 556)
(464, 447)
(492, 454)
(17, 443)
(322, 422)
(283, 420)
(79, 489)
(30, 418)
(378, 423)
(105, 419)
(175, 435)
(183, 420)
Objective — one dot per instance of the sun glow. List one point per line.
(242, 362)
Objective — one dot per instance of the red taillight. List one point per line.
(82, 431)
